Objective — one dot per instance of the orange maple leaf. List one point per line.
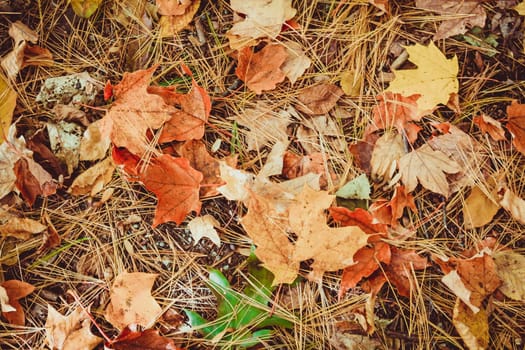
(491, 126)
(16, 290)
(516, 125)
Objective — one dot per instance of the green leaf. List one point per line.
(358, 188)
(85, 8)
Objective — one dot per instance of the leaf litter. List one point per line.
(235, 140)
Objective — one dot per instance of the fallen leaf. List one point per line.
(172, 7)
(472, 327)
(204, 226)
(261, 70)
(176, 185)
(296, 63)
(362, 152)
(7, 107)
(491, 126)
(261, 19)
(295, 166)
(131, 300)
(24, 54)
(237, 184)
(135, 112)
(85, 8)
(515, 205)
(274, 162)
(21, 228)
(148, 339)
(71, 332)
(510, 267)
(64, 139)
(395, 110)
(388, 149)
(479, 209)
(76, 88)
(348, 341)
(358, 217)
(10, 292)
(428, 167)
(44, 156)
(266, 126)
(95, 143)
(93, 180)
(32, 180)
(520, 8)
(434, 79)
(516, 125)
(351, 83)
(51, 238)
(318, 99)
(399, 271)
(357, 188)
(172, 24)
(11, 150)
(314, 132)
(458, 17)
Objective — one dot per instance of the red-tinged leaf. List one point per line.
(362, 152)
(395, 110)
(400, 270)
(16, 290)
(129, 161)
(367, 262)
(516, 125)
(44, 156)
(319, 99)
(358, 217)
(150, 339)
(108, 90)
(176, 185)
(51, 237)
(261, 70)
(32, 180)
(295, 166)
(491, 126)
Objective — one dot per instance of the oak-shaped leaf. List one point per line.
(149, 339)
(71, 332)
(428, 167)
(131, 300)
(10, 292)
(261, 70)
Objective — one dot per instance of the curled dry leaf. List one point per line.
(491, 126)
(204, 226)
(10, 292)
(516, 125)
(261, 71)
(93, 179)
(435, 77)
(149, 339)
(511, 269)
(318, 99)
(32, 180)
(472, 327)
(515, 205)
(21, 228)
(131, 300)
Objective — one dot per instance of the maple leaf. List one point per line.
(71, 332)
(261, 70)
(400, 269)
(149, 339)
(204, 226)
(169, 25)
(358, 217)
(85, 8)
(388, 149)
(135, 112)
(13, 290)
(390, 211)
(176, 185)
(516, 125)
(491, 126)
(131, 300)
(295, 165)
(94, 143)
(428, 167)
(319, 99)
(395, 110)
(296, 63)
(172, 7)
(434, 79)
(457, 15)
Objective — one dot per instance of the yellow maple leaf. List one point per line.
(435, 77)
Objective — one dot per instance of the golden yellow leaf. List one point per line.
(7, 107)
(511, 269)
(435, 77)
(478, 209)
(85, 8)
(520, 8)
(351, 82)
(472, 327)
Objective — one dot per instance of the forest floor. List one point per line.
(443, 265)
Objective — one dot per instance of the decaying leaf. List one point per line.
(131, 300)
(7, 107)
(296, 63)
(390, 211)
(479, 209)
(261, 70)
(473, 327)
(515, 205)
(32, 180)
(93, 179)
(204, 226)
(176, 15)
(295, 166)
(71, 332)
(491, 126)
(10, 292)
(21, 228)
(516, 125)
(458, 16)
(400, 270)
(388, 150)
(318, 99)
(64, 138)
(428, 167)
(511, 269)
(434, 79)
(95, 143)
(149, 339)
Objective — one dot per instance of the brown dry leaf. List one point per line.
(511, 269)
(10, 292)
(32, 180)
(478, 209)
(428, 167)
(135, 112)
(315, 131)
(472, 279)
(204, 226)
(95, 143)
(71, 332)
(93, 180)
(358, 217)
(295, 166)
(296, 63)
(399, 271)
(515, 205)
(237, 184)
(318, 99)
(148, 339)
(262, 19)
(20, 228)
(172, 7)
(348, 341)
(170, 25)
(176, 185)
(131, 300)
(362, 152)
(261, 70)
(388, 149)
(266, 126)
(24, 54)
(516, 125)
(491, 126)
(472, 327)
(459, 16)
(51, 237)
